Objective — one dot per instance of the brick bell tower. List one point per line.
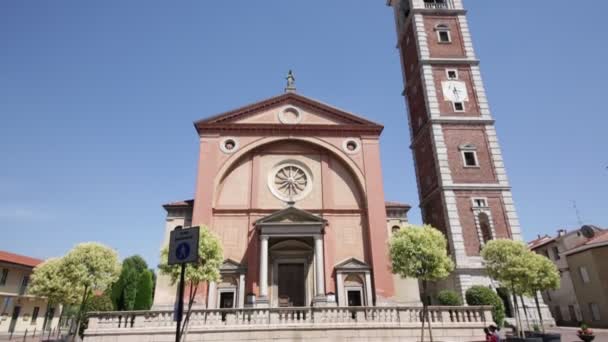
(462, 183)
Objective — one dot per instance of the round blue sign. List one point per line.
(182, 251)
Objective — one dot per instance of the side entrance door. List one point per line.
(16, 311)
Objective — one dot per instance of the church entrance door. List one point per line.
(291, 285)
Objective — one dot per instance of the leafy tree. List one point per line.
(544, 276)
(90, 267)
(420, 252)
(99, 303)
(124, 290)
(210, 256)
(143, 300)
(508, 262)
(49, 281)
(481, 295)
(449, 298)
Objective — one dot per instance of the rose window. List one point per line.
(290, 182)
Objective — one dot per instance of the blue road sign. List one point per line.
(182, 251)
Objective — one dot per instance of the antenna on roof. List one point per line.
(578, 214)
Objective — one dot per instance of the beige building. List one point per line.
(583, 292)
(21, 311)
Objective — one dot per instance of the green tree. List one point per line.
(210, 256)
(124, 290)
(449, 298)
(49, 281)
(544, 276)
(90, 267)
(481, 295)
(421, 252)
(508, 262)
(143, 300)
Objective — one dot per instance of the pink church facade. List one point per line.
(293, 188)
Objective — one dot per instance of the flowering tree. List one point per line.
(90, 267)
(543, 276)
(420, 252)
(509, 262)
(49, 281)
(207, 269)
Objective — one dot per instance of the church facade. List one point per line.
(293, 188)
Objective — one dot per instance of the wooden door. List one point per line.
(292, 285)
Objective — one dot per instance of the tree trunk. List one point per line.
(521, 298)
(540, 315)
(517, 316)
(423, 309)
(189, 311)
(80, 310)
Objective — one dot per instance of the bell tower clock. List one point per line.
(462, 183)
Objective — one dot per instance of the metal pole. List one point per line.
(180, 303)
(25, 335)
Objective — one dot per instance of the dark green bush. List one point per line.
(449, 298)
(481, 295)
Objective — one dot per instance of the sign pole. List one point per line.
(180, 303)
(183, 249)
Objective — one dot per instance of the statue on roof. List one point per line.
(291, 82)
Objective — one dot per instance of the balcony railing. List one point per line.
(110, 322)
(439, 4)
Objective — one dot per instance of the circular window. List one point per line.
(229, 145)
(290, 115)
(351, 146)
(290, 181)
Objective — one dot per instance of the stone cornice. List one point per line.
(282, 129)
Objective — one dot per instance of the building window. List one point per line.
(458, 106)
(443, 33)
(35, 315)
(556, 252)
(395, 229)
(484, 226)
(595, 311)
(584, 274)
(24, 282)
(4, 276)
(470, 158)
(452, 74)
(480, 202)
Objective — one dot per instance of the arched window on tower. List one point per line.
(484, 227)
(395, 229)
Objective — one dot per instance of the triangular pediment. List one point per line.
(230, 265)
(352, 264)
(289, 109)
(290, 215)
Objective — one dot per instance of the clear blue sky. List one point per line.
(97, 101)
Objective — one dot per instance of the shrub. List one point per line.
(481, 295)
(449, 298)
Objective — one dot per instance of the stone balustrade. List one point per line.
(379, 315)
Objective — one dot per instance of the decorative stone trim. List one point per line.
(496, 154)
(482, 99)
(285, 112)
(466, 36)
(430, 92)
(423, 46)
(455, 236)
(441, 151)
(229, 145)
(511, 214)
(351, 146)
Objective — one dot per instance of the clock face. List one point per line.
(455, 91)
